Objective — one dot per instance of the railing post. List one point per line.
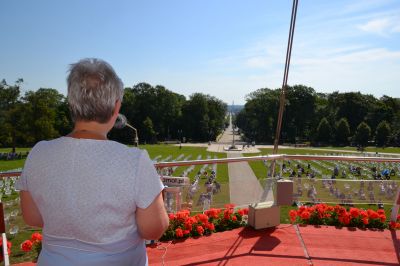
(395, 209)
(3, 235)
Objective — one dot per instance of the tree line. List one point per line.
(157, 113)
(321, 118)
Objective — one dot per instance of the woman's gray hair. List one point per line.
(93, 89)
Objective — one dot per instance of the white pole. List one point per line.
(5, 250)
(4, 237)
(395, 209)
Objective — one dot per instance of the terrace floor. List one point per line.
(283, 245)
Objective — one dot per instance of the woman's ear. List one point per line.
(117, 108)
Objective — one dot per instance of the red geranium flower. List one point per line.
(171, 216)
(305, 215)
(394, 225)
(380, 211)
(179, 232)
(186, 232)
(344, 218)
(340, 210)
(301, 209)
(211, 226)
(189, 222)
(234, 218)
(202, 217)
(293, 215)
(372, 214)
(229, 206)
(364, 214)
(365, 221)
(182, 214)
(26, 245)
(330, 209)
(321, 208)
(36, 237)
(382, 217)
(212, 213)
(200, 230)
(354, 212)
(227, 214)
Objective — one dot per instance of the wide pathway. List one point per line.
(244, 186)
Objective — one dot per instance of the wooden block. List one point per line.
(264, 215)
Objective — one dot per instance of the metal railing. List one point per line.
(278, 157)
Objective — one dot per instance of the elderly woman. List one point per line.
(97, 200)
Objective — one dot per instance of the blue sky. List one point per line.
(223, 48)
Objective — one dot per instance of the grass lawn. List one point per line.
(16, 150)
(12, 164)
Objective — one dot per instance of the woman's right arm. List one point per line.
(152, 221)
(30, 211)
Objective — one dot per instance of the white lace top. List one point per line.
(87, 189)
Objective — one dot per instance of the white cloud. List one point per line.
(376, 26)
(382, 26)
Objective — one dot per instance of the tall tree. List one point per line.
(353, 106)
(148, 134)
(362, 135)
(9, 112)
(257, 120)
(300, 111)
(44, 105)
(382, 134)
(342, 132)
(324, 131)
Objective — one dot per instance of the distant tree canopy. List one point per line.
(309, 116)
(382, 133)
(342, 132)
(157, 113)
(36, 116)
(324, 131)
(362, 135)
(160, 114)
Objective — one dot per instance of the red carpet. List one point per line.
(283, 246)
